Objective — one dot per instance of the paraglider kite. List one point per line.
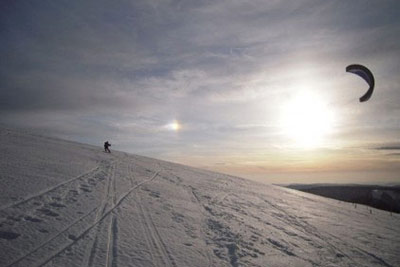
(366, 74)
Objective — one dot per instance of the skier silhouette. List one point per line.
(106, 147)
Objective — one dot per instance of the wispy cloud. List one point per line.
(388, 147)
(92, 70)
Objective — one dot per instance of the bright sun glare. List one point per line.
(174, 126)
(307, 121)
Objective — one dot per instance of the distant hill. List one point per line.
(377, 196)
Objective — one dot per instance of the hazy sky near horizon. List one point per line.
(252, 88)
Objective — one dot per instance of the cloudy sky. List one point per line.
(252, 88)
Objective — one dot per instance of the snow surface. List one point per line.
(69, 204)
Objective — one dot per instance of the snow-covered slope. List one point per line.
(68, 204)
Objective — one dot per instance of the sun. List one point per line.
(307, 121)
(174, 126)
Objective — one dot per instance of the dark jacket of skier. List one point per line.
(106, 147)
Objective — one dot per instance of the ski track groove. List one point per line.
(145, 229)
(151, 240)
(48, 190)
(155, 238)
(91, 249)
(131, 174)
(204, 213)
(111, 235)
(110, 242)
(91, 226)
(146, 233)
(164, 247)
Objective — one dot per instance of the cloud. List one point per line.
(388, 147)
(223, 69)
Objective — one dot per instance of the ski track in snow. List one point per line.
(60, 192)
(51, 201)
(127, 210)
(159, 252)
(203, 212)
(96, 223)
(48, 190)
(91, 249)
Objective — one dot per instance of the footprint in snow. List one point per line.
(8, 235)
(57, 205)
(32, 219)
(73, 192)
(15, 219)
(85, 189)
(48, 212)
(177, 217)
(72, 237)
(154, 194)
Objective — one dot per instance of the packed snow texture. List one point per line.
(69, 204)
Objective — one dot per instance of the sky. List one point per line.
(256, 89)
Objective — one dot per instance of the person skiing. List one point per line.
(106, 147)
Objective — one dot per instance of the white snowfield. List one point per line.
(69, 204)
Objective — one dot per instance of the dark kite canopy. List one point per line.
(366, 74)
